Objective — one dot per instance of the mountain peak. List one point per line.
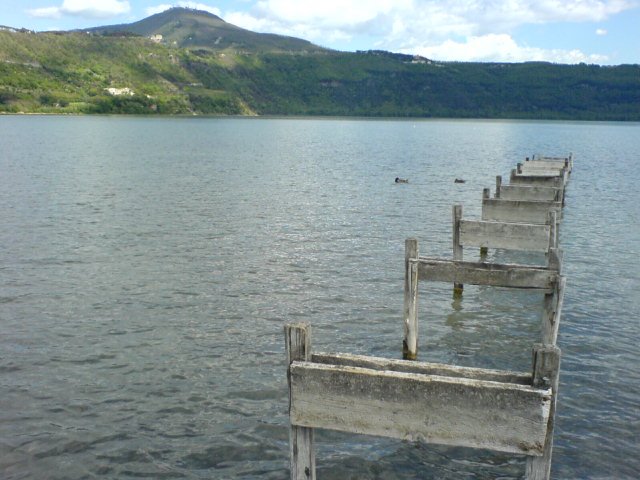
(193, 28)
(180, 12)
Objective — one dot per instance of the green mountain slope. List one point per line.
(183, 27)
(108, 71)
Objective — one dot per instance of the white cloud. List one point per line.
(46, 12)
(430, 16)
(601, 32)
(335, 12)
(193, 5)
(428, 25)
(300, 30)
(501, 48)
(84, 8)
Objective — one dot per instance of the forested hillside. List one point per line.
(119, 71)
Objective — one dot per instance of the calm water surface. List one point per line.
(147, 267)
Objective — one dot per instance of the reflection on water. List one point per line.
(148, 266)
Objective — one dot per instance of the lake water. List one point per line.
(148, 265)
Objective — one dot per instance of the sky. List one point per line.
(604, 32)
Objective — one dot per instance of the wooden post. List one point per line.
(553, 231)
(486, 194)
(457, 246)
(552, 304)
(301, 450)
(410, 312)
(552, 311)
(498, 185)
(555, 260)
(519, 168)
(546, 373)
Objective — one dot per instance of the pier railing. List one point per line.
(527, 192)
(435, 403)
(547, 280)
(498, 410)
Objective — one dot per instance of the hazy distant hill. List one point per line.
(183, 27)
(203, 65)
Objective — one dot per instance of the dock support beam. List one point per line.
(484, 251)
(457, 246)
(301, 448)
(552, 304)
(546, 373)
(410, 312)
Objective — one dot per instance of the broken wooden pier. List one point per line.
(504, 411)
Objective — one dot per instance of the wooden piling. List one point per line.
(410, 311)
(551, 311)
(457, 246)
(498, 186)
(546, 374)
(552, 221)
(553, 300)
(484, 251)
(301, 444)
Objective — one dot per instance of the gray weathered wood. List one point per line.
(553, 217)
(457, 245)
(425, 368)
(498, 193)
(301, 448)
(532, 171)
(546, 374)
(481, 273)
(510, 236)
(554, 161)
(436, 409)
(542, 167)
(552, 310)
(518, 211)
(410, 311)
(529, 192)
(538, 180)
(555, 259)
(484, 251)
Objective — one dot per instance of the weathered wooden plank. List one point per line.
(534, 172)
(510, 236)
(567, 161)
(546, 373)
(542, 165)
(530, 168)
(458, 251)
(552, 311)
(544, 181)
(301, 444)
(519, 211)
(480, 273)
(529, 192)
(424, 368)
(539, 172)
(452, 411)
(544, 158)
(410, 310)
